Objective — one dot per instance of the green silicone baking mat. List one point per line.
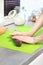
(7, 42)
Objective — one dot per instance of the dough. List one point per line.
(3, 29)
(18, 43)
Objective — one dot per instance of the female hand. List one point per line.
(16, 33)
(26, 39)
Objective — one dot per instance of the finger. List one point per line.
(16, 34)
(18, 37)
(13, 33)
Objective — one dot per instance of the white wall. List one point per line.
(30, 5)
(1, 10)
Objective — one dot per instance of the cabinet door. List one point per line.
(9, 5)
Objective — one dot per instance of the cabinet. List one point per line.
(9, 5)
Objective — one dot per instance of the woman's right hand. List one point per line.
(16, 33)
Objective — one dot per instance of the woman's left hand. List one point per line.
(26, 39)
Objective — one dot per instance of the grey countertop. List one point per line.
(12, 57)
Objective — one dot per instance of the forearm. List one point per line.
(37, 25)
(39, 37)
